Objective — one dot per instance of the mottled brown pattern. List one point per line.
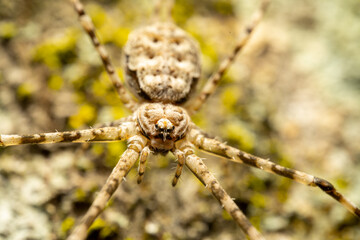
(163, 67)
(149, 117)
(162, 63)
(71, 136)
(32, 139)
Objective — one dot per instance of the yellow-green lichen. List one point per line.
(118, 112)
(120, 36)
(24, 90)
(55, 82)
(225, 7)
(256, 184)
(97, 148)
(86, 115)
(8, 30)
(99, 88)
(226, 215)
(115, 150)
(341, 183)
(230, 98)
(58, 50)
(97, 14)
(107, 28)
(183, 9)
(258, 200)
(207, 49)
(199, 119)
(163, 161)
(237, 132)
(80, 195)
(256, 221)
(67, 225)
(105, 228)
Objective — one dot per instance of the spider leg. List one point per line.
(180, 156)
(197, 166)
(214, 146)
(215, 78)
(127, 160)
(121, 132)
(142, 161)
(88, 26)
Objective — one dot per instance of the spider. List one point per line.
(161, 122)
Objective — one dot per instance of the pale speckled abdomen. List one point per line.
(162, 63)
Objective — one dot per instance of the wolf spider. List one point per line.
(162, 69)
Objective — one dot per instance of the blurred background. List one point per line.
(292, 96)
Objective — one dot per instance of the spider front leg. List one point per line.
(197, 166)
(120, 132)
(142, 161)
(214, 146)
(88, 26)
(127, 160)
(215, 78)
(180, 157)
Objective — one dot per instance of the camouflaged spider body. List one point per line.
(162, 63)
(162, 66)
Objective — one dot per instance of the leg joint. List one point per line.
(323, 184)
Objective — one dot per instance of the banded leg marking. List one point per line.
(88, 26)
(215, 78)
(142, 163)
(127, 160)
(88, 135)
(180, 156)
(197, 166)
(214, 146)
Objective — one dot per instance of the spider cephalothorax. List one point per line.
(162, 124)
(162, 68)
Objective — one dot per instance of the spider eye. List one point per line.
(156, 126)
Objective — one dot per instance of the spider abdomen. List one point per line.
(162, 63)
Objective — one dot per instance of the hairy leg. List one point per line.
(180, 157)
(127, 160)
(214, 146)
(215, 78)
(197, 166)
(121, 132)
(88, 26)
(142, 161)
